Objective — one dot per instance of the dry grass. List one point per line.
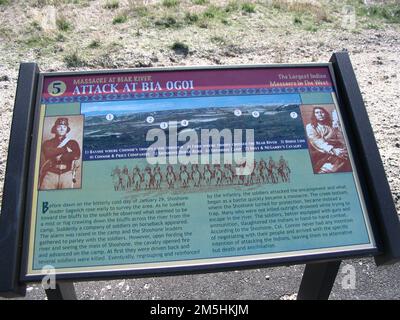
(45, 28)
(303, 7)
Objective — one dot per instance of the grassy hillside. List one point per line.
(94, 34)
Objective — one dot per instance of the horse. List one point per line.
(261, 171)
(184, 177)
(248, 176)
(157, 177)
(170, 177)
(116, 178)
(228, 174)
(196, 175)
(207, 174)
(125, 179)
(148, 178)
(240, 173)
(136, 179)
(219, 175)
(284, 171)
(272, 172)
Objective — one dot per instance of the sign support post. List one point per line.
(383, 210)
(15, 186)
(64, 290)
(318, 280)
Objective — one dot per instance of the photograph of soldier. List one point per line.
(326, 143)
(199, 176)
(283, 169)
(61, 153)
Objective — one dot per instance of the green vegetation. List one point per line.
(191, 18)
(35, 25)
(297, 20)
(211, 14)
(168, 22)
(221, 14)
(42, 3)
(248, 7)
(311, 28)
(74, 61)
(60, 37)
(140, 11)
(94, 44)
(120, 18)
(373, 26)
(35, 41)
(232, 6)
(220, 17)
(63, 24)
(113, 4)
(170, 3)
(5, 32)
(389, 13)
(200, 2)
(180, 48)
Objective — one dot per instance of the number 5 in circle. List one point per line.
(56, 88)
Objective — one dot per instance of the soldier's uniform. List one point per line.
(57, 169)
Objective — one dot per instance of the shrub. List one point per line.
(113, 4)
(389, 13)
(94, 44)
(248, 7)
(180, 48)
(120, 18)
(191, 18)
(74, 61)
(60, 37)
(297, 20)
(170, 3)
(63, 24)
(200, 2)
(168, 22)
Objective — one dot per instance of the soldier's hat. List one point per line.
(60, 121)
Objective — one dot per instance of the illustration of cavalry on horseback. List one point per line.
(184, 176)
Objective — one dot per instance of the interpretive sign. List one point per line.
(128, 174)
(163, 170)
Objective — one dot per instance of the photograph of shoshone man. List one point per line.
(325, 138)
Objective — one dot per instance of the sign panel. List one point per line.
(191, 168)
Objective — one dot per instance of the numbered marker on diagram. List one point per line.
(150, 119)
